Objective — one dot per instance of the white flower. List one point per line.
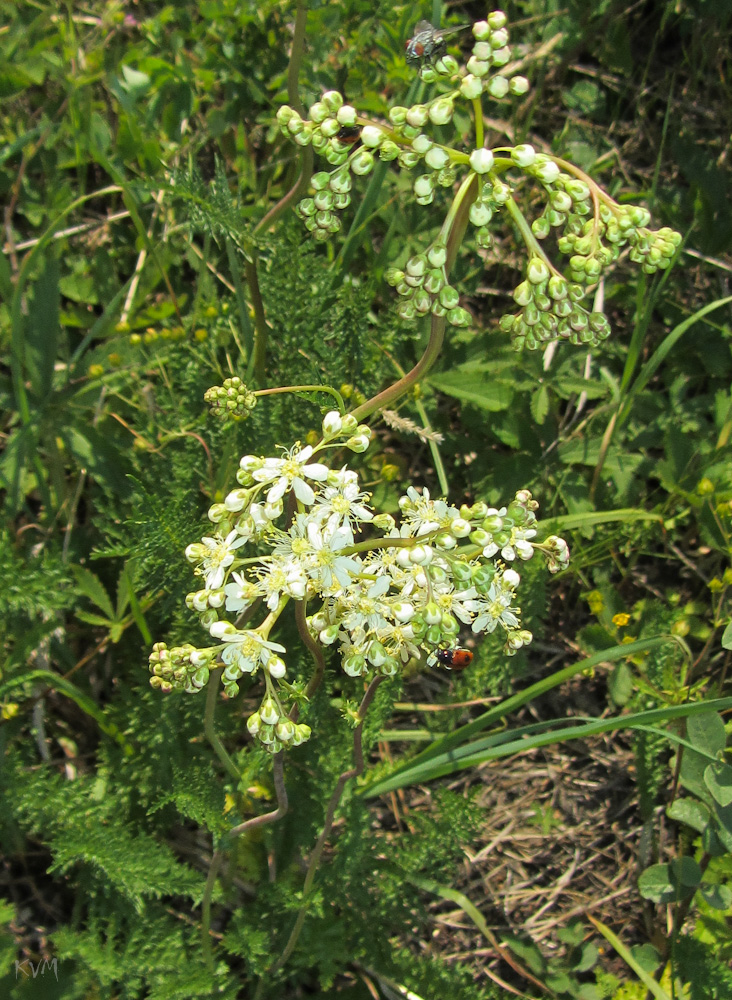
(342, 504)
(219, 554)
(240, 593)
(245, 650)
(493, 609)
(290, 473)
(324, 566)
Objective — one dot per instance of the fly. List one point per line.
(428, 42)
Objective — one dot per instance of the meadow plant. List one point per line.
(383, 593)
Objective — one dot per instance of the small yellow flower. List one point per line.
(95, 371)
(621, 619)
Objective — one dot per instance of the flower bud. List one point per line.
(346, 115)
(362, 163)
(498, 87)
(437, 158)
(471, 87)
(332, 424)
(269, 712)
(481, 30)
(417, 116)
(481, 160)
(518, 85)
(358, 443)
(372, 136)
(285, 730)
(254, 723)
(441, 111)
(478, 67)
(432, 614)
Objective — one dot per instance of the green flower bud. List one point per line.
(388, 150)
(441, 111)
(537, 272)
(471, 87)
(449, 297)
(437, 158)
(459, 317)
(332, 100)
(346, 115)
(498, 86)
(362, 163)
(480, 214)
(437, 255)
(518, 85)
(481, 160)
(418, 115)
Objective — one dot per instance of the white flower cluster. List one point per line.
(403, 591)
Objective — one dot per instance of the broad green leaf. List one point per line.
(727, 637)
(689, 811)
(685, 872)
(655, 883)
(718, 779)
(719, 897)
(474, 387)
(706, 733)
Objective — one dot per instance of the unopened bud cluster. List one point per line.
(232, 399)
(424, 288)
(551, 309)
(592, 229)
(593, 239)
(290, 532)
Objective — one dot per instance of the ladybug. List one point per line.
(428, 42)
(349, 135)
(455, 659)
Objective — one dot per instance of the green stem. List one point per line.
(335, 798)
(305, 388)
(532, 244)
(208, 725)
(241, 302)
(479, 132)
(261, 330)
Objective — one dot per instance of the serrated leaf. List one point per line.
(719, 897)
(689, 811)
(92, 587)
(92, 619)
(706, 732)
(540, 404)
(718, 779)
(474, 387)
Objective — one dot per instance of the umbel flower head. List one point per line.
(592, 229)
(380, 592)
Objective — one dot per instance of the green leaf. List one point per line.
(719, 897)
(477, 388)
(42, 330)
(655, 884)
(540, 404)
(691, 812)
(727, 637)
(620, 684)
(92, 587)
(718, 779)
(685, 872)
(706, 733)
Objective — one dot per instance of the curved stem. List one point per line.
(281, 795)
(218, 855)
(305, 388)
(388, 396)
(208, 725)
(354, 772)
